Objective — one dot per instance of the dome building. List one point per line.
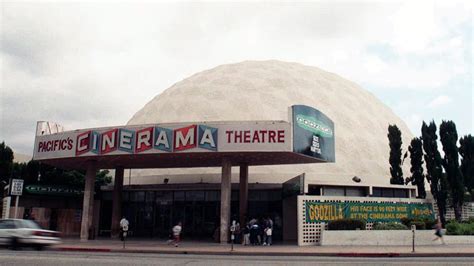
(325, 157)
(263, 90)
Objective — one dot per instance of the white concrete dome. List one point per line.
(263, 90)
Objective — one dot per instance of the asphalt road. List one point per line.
(28, 257)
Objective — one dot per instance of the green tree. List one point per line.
(37, 173)
(416, 159)
(449, 137)
(434, 171)
(466, 150)
(6, 162)
(395, 142)
(102, 178)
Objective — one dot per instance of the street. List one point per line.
(29, 257)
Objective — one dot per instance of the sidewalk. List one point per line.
(208, 248)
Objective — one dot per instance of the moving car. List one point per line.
(17, 233)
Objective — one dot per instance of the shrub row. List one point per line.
(346, 224)
(353, 224)
(455, 228)
(420, 224)
(389, 226)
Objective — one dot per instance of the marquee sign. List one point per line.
(259, 136)
(371, 212)
(310, 133)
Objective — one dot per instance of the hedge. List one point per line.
(390, 226)
(420, 224)
(455, 228)
(346, 224)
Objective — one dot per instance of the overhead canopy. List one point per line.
(308, 139)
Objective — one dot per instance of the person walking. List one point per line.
(253, 227)
(176, 234)
(268, 231)
(246, 233)
(268, 236)
(439, 231)
(123, 227)
(237, 233)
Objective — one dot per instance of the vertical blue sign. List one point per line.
(313, 133)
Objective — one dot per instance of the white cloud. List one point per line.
(414, 122)
(440, 101)
(89, 64)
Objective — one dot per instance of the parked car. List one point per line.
(17, 233)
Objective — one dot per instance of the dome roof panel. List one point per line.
(263, 90)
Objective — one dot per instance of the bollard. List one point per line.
(125, 230)
(413, 229)
(232, 237)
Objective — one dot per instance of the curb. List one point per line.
(243, 253)
(82, 249)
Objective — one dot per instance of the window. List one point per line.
(387, 192)
(138, 196)
(163, 196)
(125, 196)
(333, 191)
(213, 195)
(314, 190)
(149, 196)
(7, 224)
(376, 192)
(195, 195)
(179, 195)
(254, 195)
(355, 192)
(107, 195)
(401, 193)
(27, 224)
(275, 195)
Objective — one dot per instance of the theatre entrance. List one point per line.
(153, 213)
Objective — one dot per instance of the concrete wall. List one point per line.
(387, 238)
(310, 233)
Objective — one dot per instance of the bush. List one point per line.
(346, 224)
(429, 224)
(420, 225)
(406, 221)
(454, 228)
(390, 226)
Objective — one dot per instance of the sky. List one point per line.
(93, 64)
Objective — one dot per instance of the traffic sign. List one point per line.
(17, 187)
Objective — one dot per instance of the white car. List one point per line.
(16, 233)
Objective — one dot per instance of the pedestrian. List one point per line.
(270, 222)
(268, 231)
(123, 227)
(253, 227)
(246, 232)
(176, 234)
(268, 236)
(237, 233)
(261, 231)
(439, 231)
